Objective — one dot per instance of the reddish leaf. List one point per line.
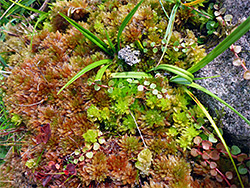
(213, 172)
(203, 163)
(229, 175)
(206, 145)
(194, 152)
(213, 165)
(46, 180)
(45, 134)
(197, 140)
(205, 155)
(241, 157)
(71, 168)
(219, 178)
(215, 155)
(220, 147)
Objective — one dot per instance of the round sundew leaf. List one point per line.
(77, 152)
(155, 50)
(228, 18)
(223, 10)
(205, 155)
(97, 87)
(211, 138)
(197, 140)
(216, 13)
(96, 146)
(194, 152)
(242, 170)
(206, 145)
(159, 96)
(152, 44)
(213, 172)
(75, 161)
(153, 86)
(229, 175)
(241, 157)
(212, 165)
(237, 49)
(155, 92)
(237, 62)
(89, 155)
(248, 164)
(101, 140)
(215, 155)
(247, 75)
(219, 178)
(110, 90)
(163, 90)
(111, 83)
(220, 146)
(140, 87)
(146, 83)
(203, 163)
(81, 158)
(233, 186)
(235, 150)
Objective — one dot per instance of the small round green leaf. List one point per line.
(235, 150)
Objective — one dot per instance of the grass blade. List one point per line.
(217, 131)
(169, 29)
(110, 43)
(28, 8)
(101, 72)
(125, 22)
(88, 34)
(225, 44)
(41, 18)
(197, 86)
(186, 77)
(193, 3)
(84, 70)
(138, 75)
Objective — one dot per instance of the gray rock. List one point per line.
(231, 86)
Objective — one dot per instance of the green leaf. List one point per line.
(212, 139)
(235, 150)
(196, 86)
(125, 22)
(88, 34)
(225, 44)
(101, 72)
(242, 169)
(216, 130)
(138, 75)
(84, 70)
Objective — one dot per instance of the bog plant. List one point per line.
(148, 124)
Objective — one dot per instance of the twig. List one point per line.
(22, 105)
(138, 129)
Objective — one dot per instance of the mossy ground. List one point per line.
(87, 135)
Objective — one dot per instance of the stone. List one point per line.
(230, 86)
